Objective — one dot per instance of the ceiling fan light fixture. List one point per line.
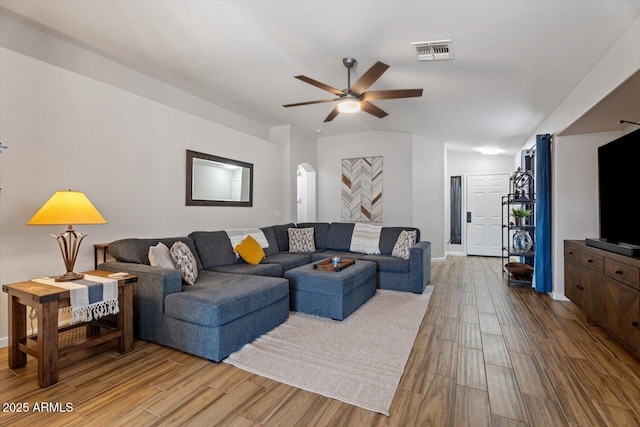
(349, 105)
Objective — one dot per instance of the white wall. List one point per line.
(126, 152)
(463, 163)
(395, 149)
(29, 41)
(302, 150)
(428, 174)
(413, 179)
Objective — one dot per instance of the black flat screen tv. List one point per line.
(618, 177)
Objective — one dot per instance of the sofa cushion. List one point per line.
(390, 264)
(185, 262)
(406, 240)
(301, 240)
(273, 270)
(273, 242)
(137, 250)
(219, 298)
(389, 237)
(288, 260)
(320, 230)
(282, 235)
(250, 251)
(339, 236)
(214, 248)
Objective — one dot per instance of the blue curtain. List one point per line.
(542, 265)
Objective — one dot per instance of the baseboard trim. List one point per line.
(560, 297)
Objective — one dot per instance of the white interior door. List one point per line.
(484, 213)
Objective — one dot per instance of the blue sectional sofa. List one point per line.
(232, 302)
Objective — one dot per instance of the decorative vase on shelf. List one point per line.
(522, 241)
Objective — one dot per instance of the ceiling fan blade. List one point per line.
(332, 115)
(320, 85)
(391, 94)
(372, 109)
(320, 101)
(368, 78)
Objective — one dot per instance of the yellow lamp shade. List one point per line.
(67, 208)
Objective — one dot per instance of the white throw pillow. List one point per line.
(406, 240)
(301, 240)
(185, 262)
(159, 256)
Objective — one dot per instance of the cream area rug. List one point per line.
(358, 360)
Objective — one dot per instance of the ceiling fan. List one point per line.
(354, 98)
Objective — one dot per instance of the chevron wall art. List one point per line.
(362, 189)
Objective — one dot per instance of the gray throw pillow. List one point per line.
(185, 262)
(406, 240)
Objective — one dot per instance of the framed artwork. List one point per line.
(362, 189)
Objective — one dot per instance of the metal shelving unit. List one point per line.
(508, 251)
(521, 195)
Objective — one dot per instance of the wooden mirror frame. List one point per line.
(190, 201)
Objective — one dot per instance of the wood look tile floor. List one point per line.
(485, 355)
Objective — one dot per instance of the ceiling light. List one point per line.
(349, 104)
(489, 150)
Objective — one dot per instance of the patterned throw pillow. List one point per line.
(159, 256)
(250, 251)
(406, 240)
(301, 240)
(185, 262)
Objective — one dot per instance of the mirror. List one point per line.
(216, 181)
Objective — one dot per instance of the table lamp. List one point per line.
(67, 208)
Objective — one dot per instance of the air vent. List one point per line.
(433, 51)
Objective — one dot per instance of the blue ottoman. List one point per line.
(333, 294)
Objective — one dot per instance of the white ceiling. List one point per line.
(514, 61)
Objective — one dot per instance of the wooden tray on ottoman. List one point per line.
(326, 264)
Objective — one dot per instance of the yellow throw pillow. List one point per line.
(250, 251)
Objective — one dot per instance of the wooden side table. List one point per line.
(46, 345)
(104, 247)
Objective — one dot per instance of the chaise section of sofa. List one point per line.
(212, 318)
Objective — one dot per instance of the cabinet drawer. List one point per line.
(622, 272)
(593, 261)
(572, 254)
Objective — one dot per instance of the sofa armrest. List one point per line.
(420, 266)
(154, 284)
(155, 281)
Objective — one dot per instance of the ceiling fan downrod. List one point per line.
(349, 63)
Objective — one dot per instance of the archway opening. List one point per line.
(306, 193)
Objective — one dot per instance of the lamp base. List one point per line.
(68, 276)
